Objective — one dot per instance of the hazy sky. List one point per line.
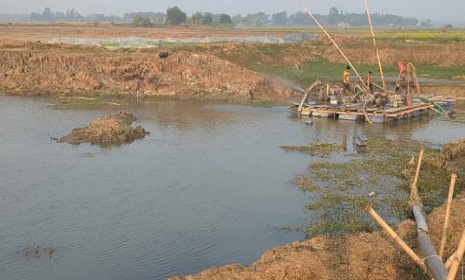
(453, 10)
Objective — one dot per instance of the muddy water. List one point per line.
(209, 186)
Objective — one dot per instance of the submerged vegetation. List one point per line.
(379, 175)
(315, 149)
(37, 252)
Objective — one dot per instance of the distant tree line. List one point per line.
(175, 16)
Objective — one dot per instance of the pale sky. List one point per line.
(452, 10)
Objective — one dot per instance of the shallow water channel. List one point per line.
(209, 186)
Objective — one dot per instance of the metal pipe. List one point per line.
(432, 261)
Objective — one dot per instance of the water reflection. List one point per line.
(209, 186)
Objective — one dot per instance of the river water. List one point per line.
(209, 186)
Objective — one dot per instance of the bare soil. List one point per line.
(115, 129)
(359, 256)
(30, 67)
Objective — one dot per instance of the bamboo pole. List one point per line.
(413, 73)
(457, 259)
(376, 47)
(367, 118)
(449, 260)
(446, 220)
(395, 237)
(299, 110)
(315, 83)
(414, 190)
(337, 47)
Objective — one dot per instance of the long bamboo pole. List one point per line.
(337, 47)
(457, 259)
(446, 220)
(307, 91)
(414, 190)
(449, 260)
(376, 47)
(395, 237)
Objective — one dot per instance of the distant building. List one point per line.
(343, 24)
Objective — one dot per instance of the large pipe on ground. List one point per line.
(395, 237)
(431, 259)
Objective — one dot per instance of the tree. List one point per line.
(258, 19)
(47, 15)
(225, 19)
(141, 21)
(72, 15)
(334, 16)
(333, 11)
(279, 18)
(208, 18)
(301, 18)
(175, 16)
(197, 18)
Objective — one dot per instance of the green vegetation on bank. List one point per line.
(306, 62)
(343, 185)
(322, 69)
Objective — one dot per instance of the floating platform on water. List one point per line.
(356, 112)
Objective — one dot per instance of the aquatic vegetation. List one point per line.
(36, 252)
(315, 149)
(87, 103)
(380, 176)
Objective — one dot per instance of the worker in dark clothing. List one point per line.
(369, 81)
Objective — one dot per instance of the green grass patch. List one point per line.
(439, 72)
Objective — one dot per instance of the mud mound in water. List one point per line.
(112, 130)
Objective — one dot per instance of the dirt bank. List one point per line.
(360, 256)
(40, 69)
(30, 66)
